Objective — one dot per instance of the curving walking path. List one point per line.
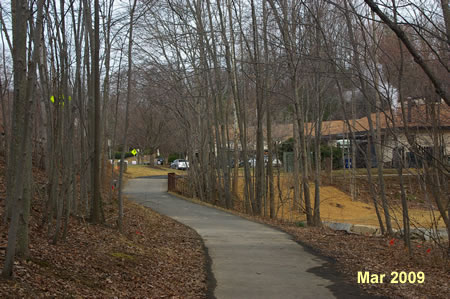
(249, 260)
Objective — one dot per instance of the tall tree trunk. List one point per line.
(397, 153)
(240, 117)
(219, 114)
(288, 31)
(106, 90)
(353, 147)
(125, 135)
(379, 145)
(303, 157)
(317, 160)
(21, 126)
(23, 227)
(259, 175)
(90, 114)
(270, 181)
(97, 209)
(113, 145)
(370, 138)
(64, 129)
(297, 202)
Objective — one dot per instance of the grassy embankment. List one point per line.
(336, 205)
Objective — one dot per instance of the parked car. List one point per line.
(159, 161)
(179, 164)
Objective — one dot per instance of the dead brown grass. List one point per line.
(134, 171)
(338, 206)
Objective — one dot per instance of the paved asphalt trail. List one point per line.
(249, 260)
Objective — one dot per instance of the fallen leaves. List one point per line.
(354, 253)
(155, 257)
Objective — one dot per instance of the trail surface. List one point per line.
(249, 260)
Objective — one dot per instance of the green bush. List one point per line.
(300, 224)
(173, 157)
(118, 155)
(325, 152)
(285, 146)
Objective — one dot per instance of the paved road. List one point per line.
(249, 260)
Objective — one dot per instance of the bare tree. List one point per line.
(125, 135)
(440, 85)
(24, 78)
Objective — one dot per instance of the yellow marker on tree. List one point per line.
(134, 152)
(61, 99)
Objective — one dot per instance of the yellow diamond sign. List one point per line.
(134, 152)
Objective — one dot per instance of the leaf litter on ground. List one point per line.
(154, 257)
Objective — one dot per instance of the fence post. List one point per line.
(171, 181)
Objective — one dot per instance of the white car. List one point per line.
(180, 164)
(276, 162)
